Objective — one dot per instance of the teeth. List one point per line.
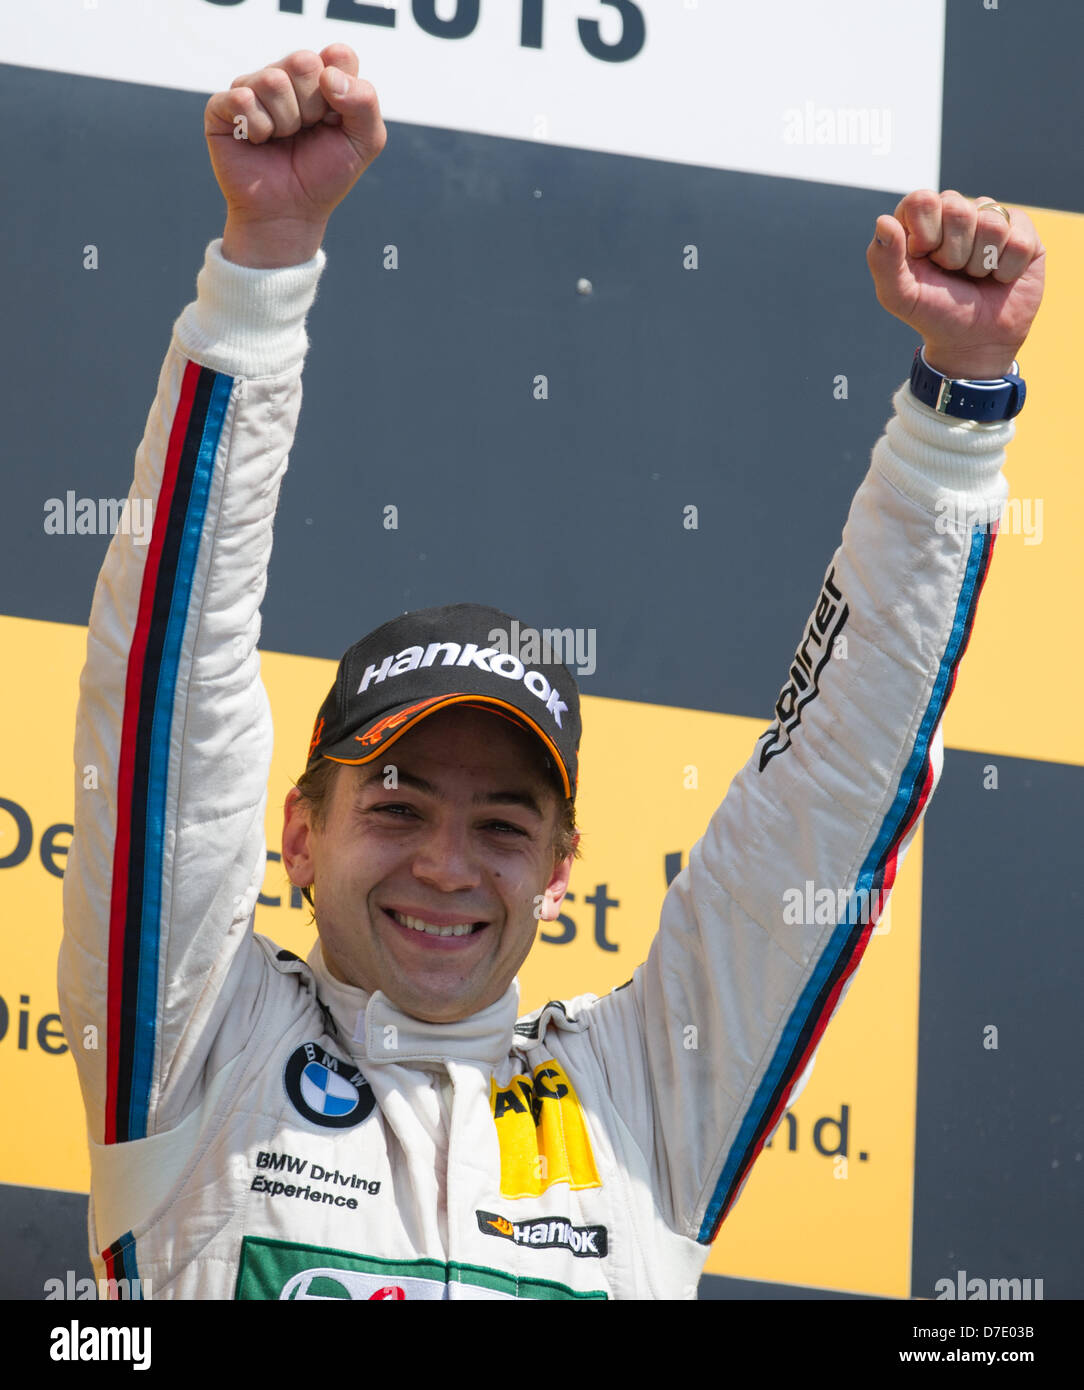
(416, 924)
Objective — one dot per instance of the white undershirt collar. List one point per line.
(379, 1032)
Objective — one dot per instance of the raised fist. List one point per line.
(289, 142)
(961, 273)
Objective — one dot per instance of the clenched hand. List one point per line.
(961, 276)
(287, 144)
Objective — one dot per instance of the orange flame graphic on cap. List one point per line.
(380, 730)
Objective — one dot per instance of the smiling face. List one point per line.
(427, 890)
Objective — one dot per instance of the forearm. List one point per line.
(271, 244)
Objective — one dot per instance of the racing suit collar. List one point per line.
(378, 1032)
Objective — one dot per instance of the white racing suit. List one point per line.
(259, 1130)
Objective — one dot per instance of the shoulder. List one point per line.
(280, 965)
(566, 1015)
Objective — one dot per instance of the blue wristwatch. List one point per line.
(985, 401)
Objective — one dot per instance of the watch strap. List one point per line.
(986, 402)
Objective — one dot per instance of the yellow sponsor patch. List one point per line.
(542, 1134)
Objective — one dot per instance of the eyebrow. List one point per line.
(508, 797)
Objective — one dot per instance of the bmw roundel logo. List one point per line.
(326, 1090)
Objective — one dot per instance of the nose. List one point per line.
(445, 859)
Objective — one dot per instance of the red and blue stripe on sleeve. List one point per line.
(149, 709)
(845, 948)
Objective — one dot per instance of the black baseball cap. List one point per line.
(432, 659)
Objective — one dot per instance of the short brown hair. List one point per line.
(317, 782)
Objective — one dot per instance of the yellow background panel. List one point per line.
(43, 1140)
(1024, 656)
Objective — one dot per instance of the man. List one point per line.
(374, 1123)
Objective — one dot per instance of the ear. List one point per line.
(557, 886)
(297, 840)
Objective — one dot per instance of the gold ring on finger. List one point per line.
(997, 207)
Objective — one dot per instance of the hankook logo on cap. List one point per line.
(488, 659)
